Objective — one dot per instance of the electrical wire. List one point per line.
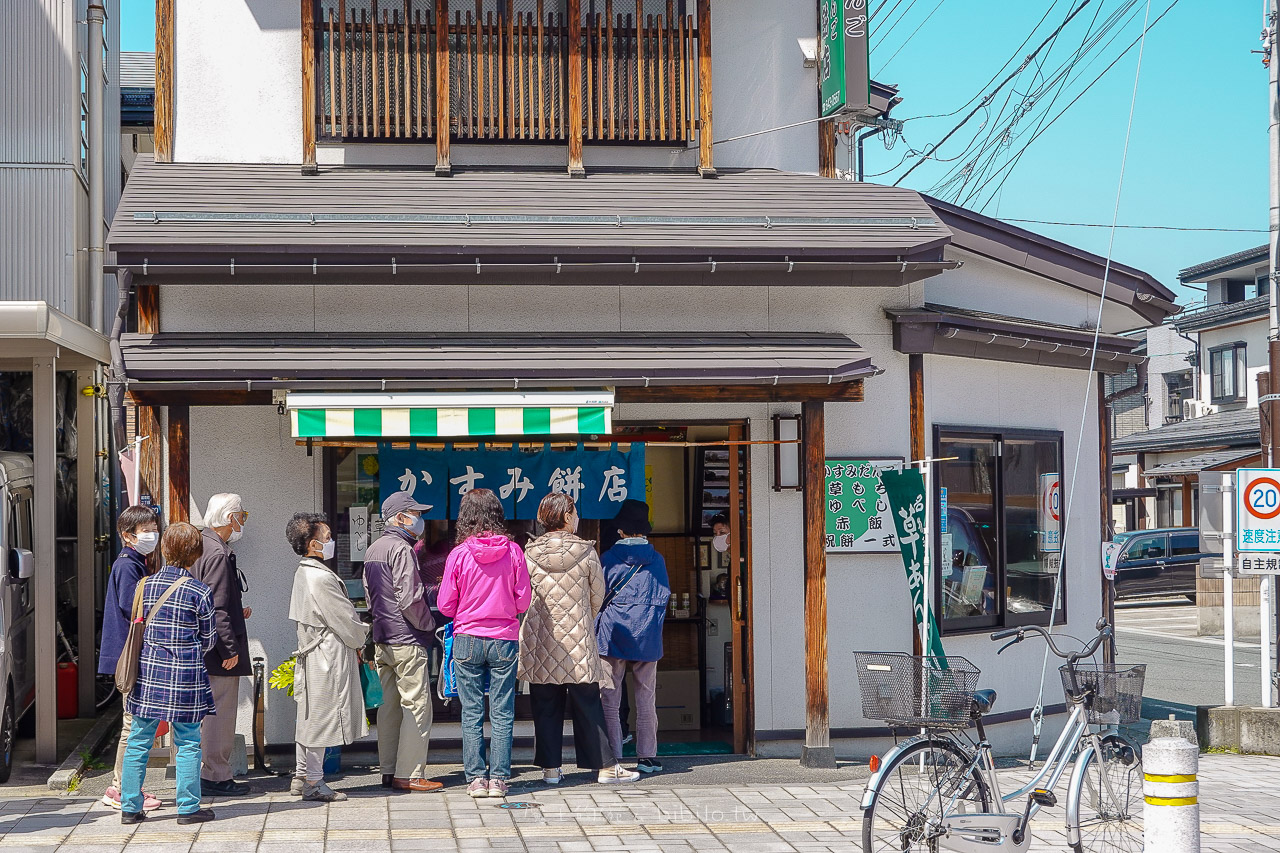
(885, 65)
(1138, 227)
(1037, 715)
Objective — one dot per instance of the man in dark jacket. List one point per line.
(229, 660)
(403, 633)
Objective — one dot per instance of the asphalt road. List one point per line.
(1183, 670)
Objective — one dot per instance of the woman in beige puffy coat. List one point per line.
(558, 654)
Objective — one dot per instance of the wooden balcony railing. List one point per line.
(623, 72)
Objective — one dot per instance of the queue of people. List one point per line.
(557, 615)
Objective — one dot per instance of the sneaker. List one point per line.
(497, 788)
(627, 738)
(297, 786)
(112, 799)
(227, 788)
(649, 765)
(478, 789)
(616, 775)
(322, 793)
(553, 776)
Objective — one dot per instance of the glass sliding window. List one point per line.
(1226, 373)
(1032, 514)
(969, 578)
(1002, 547)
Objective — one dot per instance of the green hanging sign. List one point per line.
(905, 492)
(844, 66)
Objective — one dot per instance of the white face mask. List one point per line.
(721, 542)
(235, 535)
(327, 549)
(145, 543)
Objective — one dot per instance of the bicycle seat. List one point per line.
(983, 700)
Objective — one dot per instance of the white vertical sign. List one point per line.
(359, 526)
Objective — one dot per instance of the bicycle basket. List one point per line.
(1116, 691)
(918, 692)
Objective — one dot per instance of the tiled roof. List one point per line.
(1200, 462)
(1225, 263)
(1235, 428)
(1222, 313)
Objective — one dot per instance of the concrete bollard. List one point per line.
(1171, 820)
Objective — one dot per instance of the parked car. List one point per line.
(1159, 562)
(17, 600)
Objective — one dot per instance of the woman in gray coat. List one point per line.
(326, 674)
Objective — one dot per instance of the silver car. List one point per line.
(17, 600)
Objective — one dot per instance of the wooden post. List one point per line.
(705, 160)
(827, 149)
(576, 168)
(739, 600)
(443, 167)
(179, 463)
(308, 88)
(915, 371)
(164, 82)
(817, 750)
(148, 421)
(86, 586)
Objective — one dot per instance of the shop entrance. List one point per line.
(697, 483)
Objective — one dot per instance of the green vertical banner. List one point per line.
(905, 493)
(844, 73)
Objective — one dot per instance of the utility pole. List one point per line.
(1273, 330)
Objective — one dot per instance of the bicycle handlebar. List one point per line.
(1104, 631)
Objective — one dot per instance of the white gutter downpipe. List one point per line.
(97, 162)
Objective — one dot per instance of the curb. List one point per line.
(71, 768)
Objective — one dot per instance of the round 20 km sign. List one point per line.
(1258, 509)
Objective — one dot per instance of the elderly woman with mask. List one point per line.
(326, 675)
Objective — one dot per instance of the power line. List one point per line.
(909, 38)
(1003, 83)
(1140, 227)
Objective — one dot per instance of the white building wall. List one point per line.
(1167, 352)
(1254, 336)
(238, 96)
(250, 450)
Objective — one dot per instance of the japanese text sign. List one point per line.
(1258, 509)
(843, 61)
(904, 491)
(858, 520)
(598, 481)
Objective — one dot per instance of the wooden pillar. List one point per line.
(164, 82)
(148, 421)
(1187, 520)
(706, 167)
(817, 750)
(86, 584)
(919, 450)
(737, 605)
(576, 168)
(444, 167)
(308, 87)
(179, 463)
(827, 149)
(44, 437)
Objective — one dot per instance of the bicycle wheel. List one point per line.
(1107, 797)
(912, 792)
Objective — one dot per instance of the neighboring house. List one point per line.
(317, 306)
(60, 172)
(137, 106)
(1218, 427)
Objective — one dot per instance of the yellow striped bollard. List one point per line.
(1171, 819)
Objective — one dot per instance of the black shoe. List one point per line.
(229, 788)
(387, 779)
(130, 818)
(201, 816)
(649, 765)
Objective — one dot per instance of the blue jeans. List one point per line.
(187, 738)
(473, 657)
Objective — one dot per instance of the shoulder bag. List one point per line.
(131, 655)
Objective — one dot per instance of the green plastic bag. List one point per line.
(371, 685)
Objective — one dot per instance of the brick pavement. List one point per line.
(1241, 812)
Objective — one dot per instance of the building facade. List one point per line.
(323, 286)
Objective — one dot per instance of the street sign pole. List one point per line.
(1228, 616)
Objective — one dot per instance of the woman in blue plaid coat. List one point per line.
(173, 684)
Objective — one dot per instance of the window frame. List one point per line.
(1239, 359)
(1002, 618)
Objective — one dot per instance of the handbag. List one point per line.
(447, 684)
(370, 685)
(131, 655)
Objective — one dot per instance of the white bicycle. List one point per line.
(940, 791)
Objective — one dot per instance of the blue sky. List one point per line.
(1198, 150)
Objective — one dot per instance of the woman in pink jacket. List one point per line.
(484, 590)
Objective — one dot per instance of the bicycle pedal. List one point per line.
(1043, 798)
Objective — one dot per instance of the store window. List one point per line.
(1002, 546)
(1227, 373)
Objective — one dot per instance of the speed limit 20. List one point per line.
(1258, 509)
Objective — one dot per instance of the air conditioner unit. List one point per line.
(1194, 409)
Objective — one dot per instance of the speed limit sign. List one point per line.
(1258, 509)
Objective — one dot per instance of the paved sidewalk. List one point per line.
(1240, 797)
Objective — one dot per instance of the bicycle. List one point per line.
(939, 790)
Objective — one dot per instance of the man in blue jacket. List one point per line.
(139, 530)
(629, 630)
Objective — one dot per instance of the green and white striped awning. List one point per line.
(449, 415)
